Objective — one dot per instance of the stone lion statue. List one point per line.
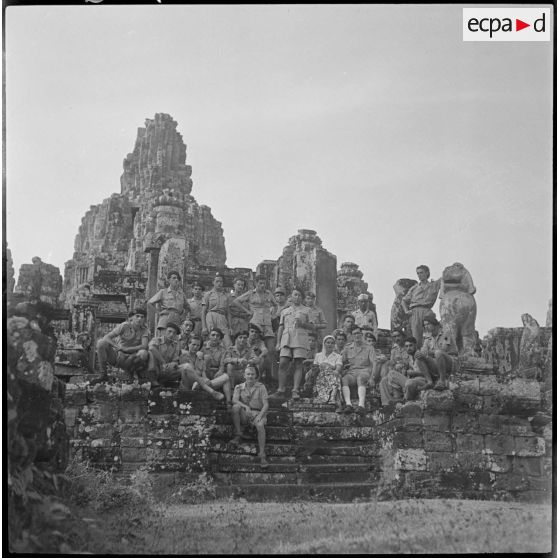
(458, 308)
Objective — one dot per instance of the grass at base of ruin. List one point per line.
(405, 526)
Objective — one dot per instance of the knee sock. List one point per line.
(347, 394)
(361, 395)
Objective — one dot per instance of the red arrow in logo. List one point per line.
(519, 25)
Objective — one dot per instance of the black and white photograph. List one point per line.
(279, 279)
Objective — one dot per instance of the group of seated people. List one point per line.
(229, 370)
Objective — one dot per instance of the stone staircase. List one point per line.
(313, 453)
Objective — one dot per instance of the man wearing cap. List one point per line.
(195, 304)
(262, 304)
(164, 353)
(216, 310)
(364, 315)
(125, 346)
(170, 302)
(419, 300)
(438, 355)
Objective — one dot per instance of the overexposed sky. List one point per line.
(375, 125)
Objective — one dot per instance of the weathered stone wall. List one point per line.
(486, 438)
(36, 433)
(129, 426)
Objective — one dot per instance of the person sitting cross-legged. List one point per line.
(250, 407)
(358, 359)
(125, 346)
(164, 354)
(192, 369)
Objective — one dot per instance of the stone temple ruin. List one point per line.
(489, 436)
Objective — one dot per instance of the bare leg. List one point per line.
(236, 419)
(297, 373)
(284, 364)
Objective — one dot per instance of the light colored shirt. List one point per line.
(127, 336)
(367, 318)
(254, 397)
(216, 302)
(358, 357)
(261, 305)
(422, 294)
(169, 350)
(333, 359)
(316, 315)
(294, 336)
(170, 299)
(195, 308)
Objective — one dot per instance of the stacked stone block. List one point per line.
(476, 441)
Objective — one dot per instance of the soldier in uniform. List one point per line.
(195, 304)
(164, 353)
(292, 343)
(262, 306)
(170, 302)
(216, 310)
(419, 300)
(125, 346)
(364, 315)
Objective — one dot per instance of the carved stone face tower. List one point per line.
(154, 224)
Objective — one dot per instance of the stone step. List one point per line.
(340, 492)
(335, 473)
(305, 418)
(250, 447)
(292, 473)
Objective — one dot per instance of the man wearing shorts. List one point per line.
(358, 359)
(292, 343)
(419, 300)
(170, 303)
(164, 353)
(250, 407)
(262, 306)
(125, 346)
(195, 304)
(216, 310)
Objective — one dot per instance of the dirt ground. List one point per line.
(406, 526)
